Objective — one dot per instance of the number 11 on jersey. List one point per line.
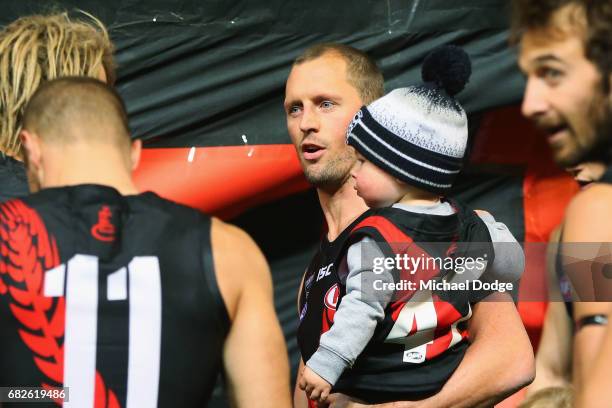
(80, 276)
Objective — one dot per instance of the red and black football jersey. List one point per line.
(112, 296)
(423, 336)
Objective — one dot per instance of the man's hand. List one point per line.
(316, 388)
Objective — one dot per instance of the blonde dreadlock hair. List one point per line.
(38, 48)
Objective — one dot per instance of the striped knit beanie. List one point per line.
(419, 134)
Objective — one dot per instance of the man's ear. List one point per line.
(135, 151)
(31, 148)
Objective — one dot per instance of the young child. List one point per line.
(377, 343)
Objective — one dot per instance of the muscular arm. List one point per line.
(596, 393)
(498, 362)
(500, 359)
(255, 356)
(553, 359)
(299, 397)
(486, 375)
(588, 224)
(587, 342)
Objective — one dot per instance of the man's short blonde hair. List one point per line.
(70, 110)
(38, 48)
(361, 70)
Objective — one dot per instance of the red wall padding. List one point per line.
(221, 180)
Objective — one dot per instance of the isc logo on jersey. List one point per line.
(324, 271)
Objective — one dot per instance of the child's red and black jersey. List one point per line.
(388, 369)
(113, 296)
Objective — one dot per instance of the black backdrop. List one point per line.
(205, 72)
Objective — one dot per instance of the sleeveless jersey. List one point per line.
(417, 346)
(112, 296)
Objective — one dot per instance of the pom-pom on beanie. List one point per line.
(419, 134)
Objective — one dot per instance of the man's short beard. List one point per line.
(601, 149)
(334, 174)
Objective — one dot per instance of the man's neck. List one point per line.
(340, 208)
(106, 168)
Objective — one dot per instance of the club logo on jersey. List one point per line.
(331, 297)
(331, 301)
(104, 230)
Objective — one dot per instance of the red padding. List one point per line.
(221, 180)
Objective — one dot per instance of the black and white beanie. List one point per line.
(419, 134)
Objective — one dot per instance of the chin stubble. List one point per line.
(601, 147)
(332, 174)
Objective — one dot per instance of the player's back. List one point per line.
(112, 296)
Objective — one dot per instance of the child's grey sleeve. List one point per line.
(361, 308)
(509, 262)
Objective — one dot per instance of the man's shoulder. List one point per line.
(589, 215)
(596, 197)
(230, 235)
(71, 201)
(595, 200)
(151, 199)
(33, 202)
(232, 246)
(238, 264)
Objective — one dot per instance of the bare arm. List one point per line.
(587, 234)
(498, 362)
(587, 342)
(299, 396)
(553, 359)
(255, 356)
(486, 375)
(596, 391)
